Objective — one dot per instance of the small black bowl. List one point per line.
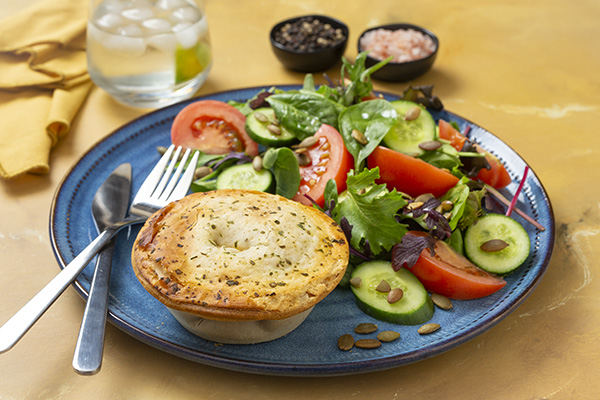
(317, 59)
(402, 71)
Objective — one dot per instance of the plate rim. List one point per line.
(285, 368)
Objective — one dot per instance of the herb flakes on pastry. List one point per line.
(251, 259)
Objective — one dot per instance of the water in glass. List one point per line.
(148, 53)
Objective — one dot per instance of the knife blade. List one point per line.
(108, 206)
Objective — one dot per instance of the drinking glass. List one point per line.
(148, 53)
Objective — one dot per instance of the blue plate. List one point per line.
(311, 349)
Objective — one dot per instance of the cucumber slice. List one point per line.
(257, 124)
(497, 226)
(405, 136)
(244, 176)
(414, 308)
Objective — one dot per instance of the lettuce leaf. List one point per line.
(371, 211)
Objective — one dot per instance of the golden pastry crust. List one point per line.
(239, 255)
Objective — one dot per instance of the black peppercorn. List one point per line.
(308, 34)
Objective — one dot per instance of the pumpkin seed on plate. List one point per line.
(345, 342)
(367, 343)
(441, 301)
(388, 336)
(365, 328)
(428, 328)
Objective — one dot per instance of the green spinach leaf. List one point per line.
(373, 119)
(303, 113)
(284, 165)
(458, 195)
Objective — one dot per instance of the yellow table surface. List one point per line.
(525, 70)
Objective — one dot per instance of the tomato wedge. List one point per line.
(329, 159)
(496, 176)
(448, 132)
(213, 127)
(408, 174)
(450, 274)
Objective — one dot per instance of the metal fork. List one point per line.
(160, 188)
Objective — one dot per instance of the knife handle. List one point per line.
(18, 325)
(87, 359)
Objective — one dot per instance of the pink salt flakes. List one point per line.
(402, 44)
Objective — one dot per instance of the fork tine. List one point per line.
(184, 184)
(154, 177)
(165, 178)
(167, 191)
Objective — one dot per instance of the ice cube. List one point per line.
(131, 30)
(187, 34)
(138, 14)
(109, 21)
(166, 42)
(124, 46)
(156, 25)
(181, 26)
(189, 14)
(114, 6)
(170, 4)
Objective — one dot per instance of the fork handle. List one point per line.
(16, 327)
(87, 359)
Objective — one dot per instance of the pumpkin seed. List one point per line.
(274, 129)
(424, 197)
(383, 286)
(412, 113)
(345, 342)
(365, 328)
(430, 145)
(395, 295)
(359, 137)
(260, 117)
(367, 343)
(201, 172)
(161, 150)
(414, 205)
(388, 336)
(356, 282)
(303, 159)
(447, 205)
(494, 245)
(428, 328)
(441, 301)
(257, 163)
(308, 142)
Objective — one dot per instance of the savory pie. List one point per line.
(239, 255)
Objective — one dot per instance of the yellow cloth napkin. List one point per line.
(43, 81)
